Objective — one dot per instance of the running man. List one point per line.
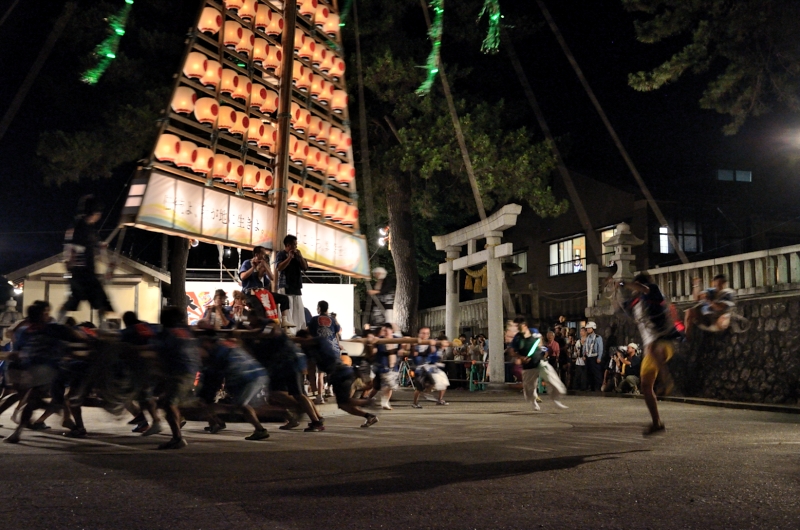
(713, 312)
(527, 345)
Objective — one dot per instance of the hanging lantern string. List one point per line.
(106, 51)
(435, 34)
(491, 44)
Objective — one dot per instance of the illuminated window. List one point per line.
(688, 235)
(521, 260)
(608, 252)
(730, 175)
(568, 256)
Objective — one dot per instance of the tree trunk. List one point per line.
(404, 252)
(178, 259)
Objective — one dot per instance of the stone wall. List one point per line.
(761, 365)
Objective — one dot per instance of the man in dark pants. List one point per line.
(79, 251)
(255, 274)
(593, 350)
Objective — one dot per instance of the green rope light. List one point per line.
(106, 51)
(491, 44)
(435, 33)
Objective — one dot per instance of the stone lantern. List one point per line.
(622, 243)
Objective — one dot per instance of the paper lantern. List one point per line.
(324, 133)
(314, 159)
(302, 76)
(345, 143)
(242, 123)
(321, 16)
(314, 125)
(327, 62)
(274, 57)
(222, 166)
(275, 23)
(307, 8)
(341, 212)
(206, 110)
(246, 43)
(346, 174)
(316, 85)
(320, 53)
(296, 193)
(264, 183)
(234, 4)
(195, 65)
(203, 160)
(351, 215)
(268, 138)
(212, 75)
(258, 95)
(186, 154)
(210, 21)
(262, 17)
(307, 49)
(337, 69)
(242, 88)
(329, 207)
(317, 206)
(325, 95)
(308, 199)
(236, 173)
(299, 151)
(167, 148)
(322, 163)
(299, 39)
(229, 81)
(335, 137)
(232, 34)
(251, 177)
(331, 26)
(227, 118)
(260, 51)
(270, 102)
(183, 100)
(300, 118)
(332, 168)
(249, 9)
(254, 132)
(339, 102)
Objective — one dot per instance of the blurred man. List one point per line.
(527, 345)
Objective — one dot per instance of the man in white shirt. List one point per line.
(592, 348)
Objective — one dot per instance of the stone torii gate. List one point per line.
(490, 229)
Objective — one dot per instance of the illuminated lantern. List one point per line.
(320, 53)
(337, 69)
(339, 103)
(186, 155)
(234, 4)
(299, 151)
(332, 169)
(300, 118)
(229, 82)
(335, 137)
(346, 174)
(316, 85)
(227, 118)
(308, 199)
(183, 100)
(262, 17)
(270, 102)
(307, 49)
(242, 88)
(234, 176)
(314, 125)
(195, 66)
(275, 24)
(212, 74)
(263, 184)
(345, 143)
(258, 96)
(233, 34)
(351, 215)
(203, 160)
(252, 177)
(322, 163)
(274, 57)
(206, 110)
(254, 132)
(241, 124)
(314, 159)
(329, 207)
(326, 93)
(296, 193)
(210, 21)
(222, 166)
(321, 16)
(249, 9)
(317, 205)
(341, 212)
(168, 147)
(324, 132)
(299, 39)
(302, 76)
(268, 138)
(247, 42)
(307, 8)
(331, 26)
(327, 62)
(260, 51)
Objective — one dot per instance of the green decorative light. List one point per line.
(106, 51)
(435, 33)
(491, 44)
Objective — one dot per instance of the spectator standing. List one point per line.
(565, 345)
(593, 351)
(383, 291)
(291, 264)
(579, 356)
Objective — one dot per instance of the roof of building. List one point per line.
(155, 272)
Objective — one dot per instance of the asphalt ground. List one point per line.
(485, 461)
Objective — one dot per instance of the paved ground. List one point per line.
(485, 461)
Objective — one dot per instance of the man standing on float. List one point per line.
(291, 264)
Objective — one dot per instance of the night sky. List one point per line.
(675, 144)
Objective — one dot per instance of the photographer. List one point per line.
(629, 382)
(218, 314)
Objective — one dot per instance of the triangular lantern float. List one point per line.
(214, 173)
